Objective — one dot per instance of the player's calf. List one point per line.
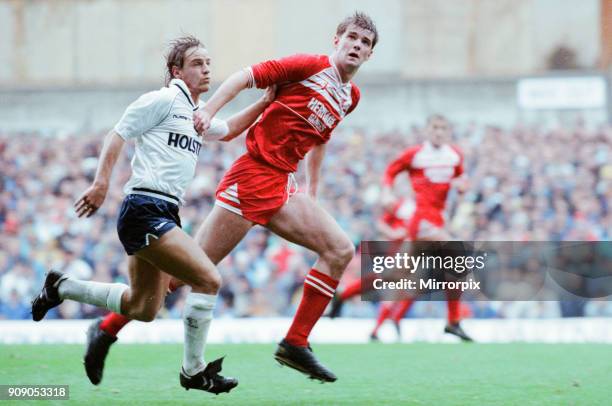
(337, 257)
(59, 286)
(142, 312)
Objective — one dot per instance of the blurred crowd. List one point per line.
(525, 184)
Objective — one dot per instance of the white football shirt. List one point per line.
(167, 145)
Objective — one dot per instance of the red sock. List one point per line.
(383, 314)
(318, 291)
(174, 285)
(113, 322)
(454, 310)
(400, 309)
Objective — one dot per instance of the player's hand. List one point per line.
(462, 185)
(90, 201)
(201, 121)
(269, 95)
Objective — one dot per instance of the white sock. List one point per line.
(197, 316)
(95, 293)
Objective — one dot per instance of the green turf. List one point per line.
(421, 374)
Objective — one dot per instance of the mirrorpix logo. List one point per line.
(428, 266)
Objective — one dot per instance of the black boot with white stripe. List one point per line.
(48, 298)
(209, 379)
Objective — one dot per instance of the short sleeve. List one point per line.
(355, 97)
(292, 68)
(143, 114)
(459, 168)
(218, 129)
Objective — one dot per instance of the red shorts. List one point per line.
(253, 189)
(425, 223)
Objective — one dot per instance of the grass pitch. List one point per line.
(372, 374)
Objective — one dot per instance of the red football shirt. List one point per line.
(431, 171)
(311, 100)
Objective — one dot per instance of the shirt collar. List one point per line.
(185, 90)
(428, 146)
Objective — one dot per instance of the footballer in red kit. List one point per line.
(314, 93)
(433, 168)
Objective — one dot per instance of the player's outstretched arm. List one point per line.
(400, 164)
(239, 122)
(224, 94)
(314, 160)
(91, 200)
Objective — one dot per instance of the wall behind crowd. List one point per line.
(120, 43)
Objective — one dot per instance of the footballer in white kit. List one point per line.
(164, 162)
(167, 148)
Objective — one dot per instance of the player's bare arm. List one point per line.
(226, 92)
(387, 197)
(314, 160)
(239, 122)
(91, 200)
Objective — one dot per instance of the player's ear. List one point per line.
(336, 40)
(176, 72)
(369, 54)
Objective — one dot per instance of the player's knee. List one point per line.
(209, 282)
(347, 252)
(214, 281)
(148, 316)
(342, 254)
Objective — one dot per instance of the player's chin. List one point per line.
(354, 62)
(204, 88)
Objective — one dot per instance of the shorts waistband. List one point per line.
(156, 193)
(262, 161)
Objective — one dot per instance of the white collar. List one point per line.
(185, 90)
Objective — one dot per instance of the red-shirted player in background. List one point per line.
(315, 93)
(432, 167)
